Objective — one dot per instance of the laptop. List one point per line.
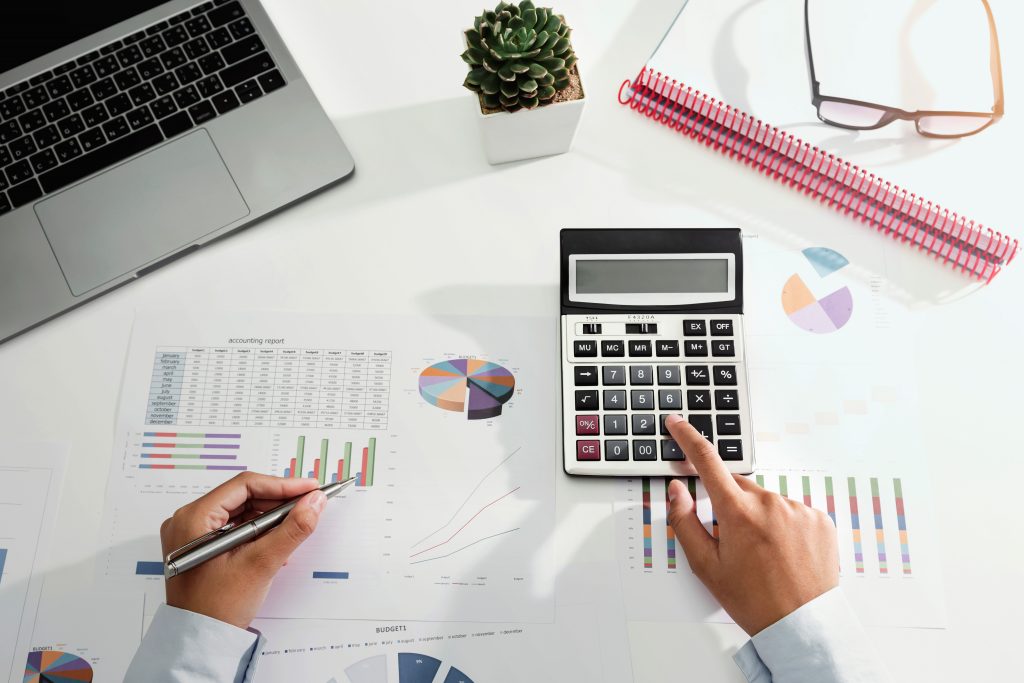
(133, 133)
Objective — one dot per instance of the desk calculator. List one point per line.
(652, 324)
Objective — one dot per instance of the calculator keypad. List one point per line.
(624, 387)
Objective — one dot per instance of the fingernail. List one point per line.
(674, 418)
(672, 495)
(318, 500)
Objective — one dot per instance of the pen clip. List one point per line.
(175, 554)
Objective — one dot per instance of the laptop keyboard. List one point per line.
(112, 103)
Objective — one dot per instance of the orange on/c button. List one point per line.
(588, 450)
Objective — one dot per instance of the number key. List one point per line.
(615, 425)
(614, 399)
(641, 374)
(613, 375)
(670, 399)
(668, 375)
(585, 375)
(645, 449)
(642, 400)
(643, 425)
(698, 399)
(616, 450)
(586, 400)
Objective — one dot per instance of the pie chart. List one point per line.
(412, 668)
(808, 312)
(53, 666)
(472, 386)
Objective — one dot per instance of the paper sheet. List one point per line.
(455, 501)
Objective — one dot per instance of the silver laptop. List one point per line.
(132, 133)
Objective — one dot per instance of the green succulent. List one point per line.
(519, 56)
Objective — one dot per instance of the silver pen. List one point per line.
(231, 535)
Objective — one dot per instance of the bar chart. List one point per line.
(215, 452)
(344, 465)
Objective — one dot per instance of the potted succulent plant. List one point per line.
(523, 69)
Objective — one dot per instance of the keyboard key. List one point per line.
(641, 374)
(219, 38)
(9, 130)
(80, 99)
(164, 106)
(613, 375)
(165, 83)
(248, 91)
(641, 399)
(225, 102)
(613, 349)
(242, 49)
(111, 47)
(202, 9)
(19, 172)
(588, 450)
(725, 375)
(35, 97)
(47, 136)
(188, 73)
(198, 26)
(82, 76)
(5, 158)
(56, 109)
(730, 449)
(728, 425)
(585, 375)
(694, 328)
(671, 452)
(211, 63)
(226, 14)
(640, 347)
(94, 115)
(586, 399)
(152, 46)
(668, 375)
(11, 107)
(127, 79)
(91, 139)
(695, 348)
(643, 425)
(151, 68)
(616, 450)
(41, 78)
(33, 120)
(43, 161)
(178, 123)
(614, 399)
(29, 191)
(22, 148)
(88, 57)
(271, 81)
(588, 425)
(195, 49)
(584, 348)
(726, 399)
(702, 423)
(101, 90)
(5, 205)
(202, 112)
(670, 399)
(645, 449)
(180, 18)
(246, 69)
(697, 376)
(175, 35)
(116, 128)
(100, 157)
(241, 29)
(698, 399)
(105, 66)
(172, 59)
(59, 87)
(663, 430)
(186, 97)
(130, 55)
(67, 150)
(119, 104)
(668, 348)
(142, 94)
(64, 68)
(135, 37)
(721, 328)
(137, 118)
(209, 86)
(723, 348)
(615, 425)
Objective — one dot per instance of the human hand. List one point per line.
(232, 586)
(772, 554)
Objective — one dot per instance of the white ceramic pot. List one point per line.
(530, 133)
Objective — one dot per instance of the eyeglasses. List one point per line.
(861, 115)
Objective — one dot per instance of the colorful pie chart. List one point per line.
(53, 666)
(472, 386)
(809, 312)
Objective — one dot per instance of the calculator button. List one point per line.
(643, 425)
(614, 399)
(670, 450)
(615, 425)
(667, 348)
(613, 375)
(726, 399)
(721, 328)
(641, 374)
(616, 450)
(730, 449)
(642, 400)
(702, 423)
(645, 449)
(698, 399)
(664, 427)
(588, 450)
(642, 328)
(694, 328)
(725, 375)
(728, 425)
(585, 375)
(723, 347)
(586, 399)
(697, 376)
(695, 347)
(584, 348)
(613, 349)
(591, 328)
(668, 375)
(640, 347)
(670, 399)
(587, 425)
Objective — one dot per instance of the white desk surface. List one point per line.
(390, 77)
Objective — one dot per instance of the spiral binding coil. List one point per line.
(971, 247)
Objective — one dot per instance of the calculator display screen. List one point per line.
(652, 276)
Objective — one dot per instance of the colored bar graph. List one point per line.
(220, 468)
(300, 450)
(648, 547)
(901, 521)
(760, 480)
(691, 486)
(369, 466)
(671, 533)
(321, 464)
(330, 575)
(807, 491)
(291, 471)
(783, 486)
(3, 561)
(346, 470)
(182, 435)
(190, 456)
(830, 499)
(149, 568)
(366, 463)
(858, 552)
(876, 508)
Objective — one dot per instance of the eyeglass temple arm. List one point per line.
(810, 56)
(995, 63)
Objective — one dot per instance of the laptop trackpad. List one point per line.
(139, 211)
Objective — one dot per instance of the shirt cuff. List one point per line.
(186, 646)
(821, 641)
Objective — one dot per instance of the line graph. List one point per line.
(469, 545)
(470, 521)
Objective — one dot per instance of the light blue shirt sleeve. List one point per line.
(821, 642)
(182, 646)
